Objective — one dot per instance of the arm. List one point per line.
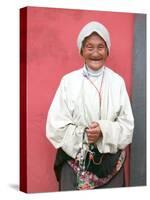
(61, 130)
(117, 134)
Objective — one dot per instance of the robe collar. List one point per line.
(92, 73)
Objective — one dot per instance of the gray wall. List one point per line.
(138, 147)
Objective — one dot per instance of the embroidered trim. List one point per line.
(88, 180)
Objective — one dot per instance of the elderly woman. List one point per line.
(90, 120)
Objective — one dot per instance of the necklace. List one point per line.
(98, 90)
(91, 146)
(86, 152)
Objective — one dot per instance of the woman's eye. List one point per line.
(90, 48)
(101, 47)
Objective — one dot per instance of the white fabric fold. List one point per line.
(76, 105)
(91, 27)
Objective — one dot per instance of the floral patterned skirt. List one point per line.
(88, 180)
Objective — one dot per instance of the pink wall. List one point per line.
(52, 52)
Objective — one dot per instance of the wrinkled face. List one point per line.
(94, 51)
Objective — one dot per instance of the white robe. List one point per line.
(76, 105)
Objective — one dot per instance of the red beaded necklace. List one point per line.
(91, 155)
(98, 90)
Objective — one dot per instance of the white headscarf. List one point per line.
(91, 27)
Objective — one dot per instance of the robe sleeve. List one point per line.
(117, 134)
(61, 130)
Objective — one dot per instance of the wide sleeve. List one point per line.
(61, 130)
(117, 134)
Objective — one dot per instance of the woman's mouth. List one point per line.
(96, 59)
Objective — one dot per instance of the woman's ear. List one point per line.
(81, 51)
(107, 52)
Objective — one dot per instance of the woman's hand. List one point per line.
(93, 132)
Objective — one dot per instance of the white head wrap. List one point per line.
(91, 27)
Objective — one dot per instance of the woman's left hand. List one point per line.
(93, 132)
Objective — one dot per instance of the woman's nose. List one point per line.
(95, 52)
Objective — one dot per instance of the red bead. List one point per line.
(91, 156)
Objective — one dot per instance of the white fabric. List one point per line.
(91, 27)
(76, 105)
(93, 73)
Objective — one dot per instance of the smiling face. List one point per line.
(94, 51)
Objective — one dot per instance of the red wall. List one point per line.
(52, 52)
